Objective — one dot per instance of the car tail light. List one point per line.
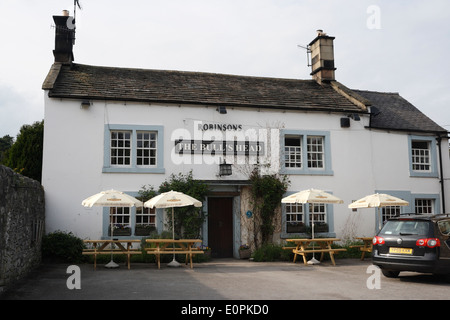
(430, 242)
(378, 240)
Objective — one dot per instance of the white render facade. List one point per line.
(358, 161)
(94, 143)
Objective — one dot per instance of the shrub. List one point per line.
(271, 252)
(62, 246)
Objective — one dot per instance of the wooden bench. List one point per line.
(185, 246)
(304, 246)
(100, 247)
(366, 247)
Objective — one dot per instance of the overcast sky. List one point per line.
(381, 45)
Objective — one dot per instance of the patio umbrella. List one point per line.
(312, 196)
(378, 200)
(172, 199)
(111, 198)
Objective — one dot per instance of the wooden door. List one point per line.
(220, 227)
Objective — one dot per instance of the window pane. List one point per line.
(120, 148)
(315, 152)
(146, 148)
(420, 155)
(293, 152)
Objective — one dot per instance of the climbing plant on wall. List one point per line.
(267, 192)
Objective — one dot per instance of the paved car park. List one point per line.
(226, 279)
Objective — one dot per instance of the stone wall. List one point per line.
(22, 219)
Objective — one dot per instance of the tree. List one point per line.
(5, 144)
(25, 155)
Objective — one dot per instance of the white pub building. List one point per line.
(123, 128)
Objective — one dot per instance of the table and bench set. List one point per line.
(190, 247)
(157, 247)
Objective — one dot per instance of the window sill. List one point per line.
(132, 170)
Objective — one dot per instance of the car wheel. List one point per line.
(390, 273)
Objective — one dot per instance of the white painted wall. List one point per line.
(362, 160)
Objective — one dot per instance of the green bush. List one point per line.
(271, 252)
(62, 247)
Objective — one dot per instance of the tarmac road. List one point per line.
(226, 279)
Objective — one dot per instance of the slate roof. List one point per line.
(78, 81)
(396, 113)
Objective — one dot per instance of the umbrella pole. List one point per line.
(313, 260)
(111, 264)
(174, 262)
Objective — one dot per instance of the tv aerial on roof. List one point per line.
(308, 54)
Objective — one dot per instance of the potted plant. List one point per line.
(295, 227)
(143, 229)
(120, 230)
(244, 251)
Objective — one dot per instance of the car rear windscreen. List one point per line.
(406, 227)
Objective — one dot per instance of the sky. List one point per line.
(381, 45)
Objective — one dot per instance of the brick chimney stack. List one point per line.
(64, 38)
(322, 57)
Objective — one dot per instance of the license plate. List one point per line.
(401, 250)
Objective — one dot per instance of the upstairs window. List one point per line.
(422, 156)
(306, 152)
(133, 149)
(293, 152)
(120, 148)
(420, 153)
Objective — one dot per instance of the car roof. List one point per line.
(416, 216)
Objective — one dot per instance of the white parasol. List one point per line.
(172, 199)
(111, 198)
(312, 196)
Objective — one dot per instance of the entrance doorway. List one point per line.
(220, 226)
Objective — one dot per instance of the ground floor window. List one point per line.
(424, 206)
(390, 212)
(294, 218)
(120, 220)
(130, 221)
(299, 217)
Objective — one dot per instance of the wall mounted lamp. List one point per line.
(225, 169)
(222, 110)
(85, 104)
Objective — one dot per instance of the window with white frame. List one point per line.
(306, 152)
(146, 148)
(420, 157)
(120, 148)
(390, 212)
(133, 149)
(120, 219)
(424, 206)
(293, 152)
(146, 216)
(294, 218)
(315, 152)
(317, 213)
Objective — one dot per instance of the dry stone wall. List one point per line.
(22, 219)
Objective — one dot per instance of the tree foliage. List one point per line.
(188, 220)
(25, 155)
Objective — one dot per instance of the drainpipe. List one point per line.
(441, 178)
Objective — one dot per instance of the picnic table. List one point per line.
(366, 247)
(114, 246)
(171, 246)
(305, 246)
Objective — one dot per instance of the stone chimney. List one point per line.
(64, 38)
(322, 57)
